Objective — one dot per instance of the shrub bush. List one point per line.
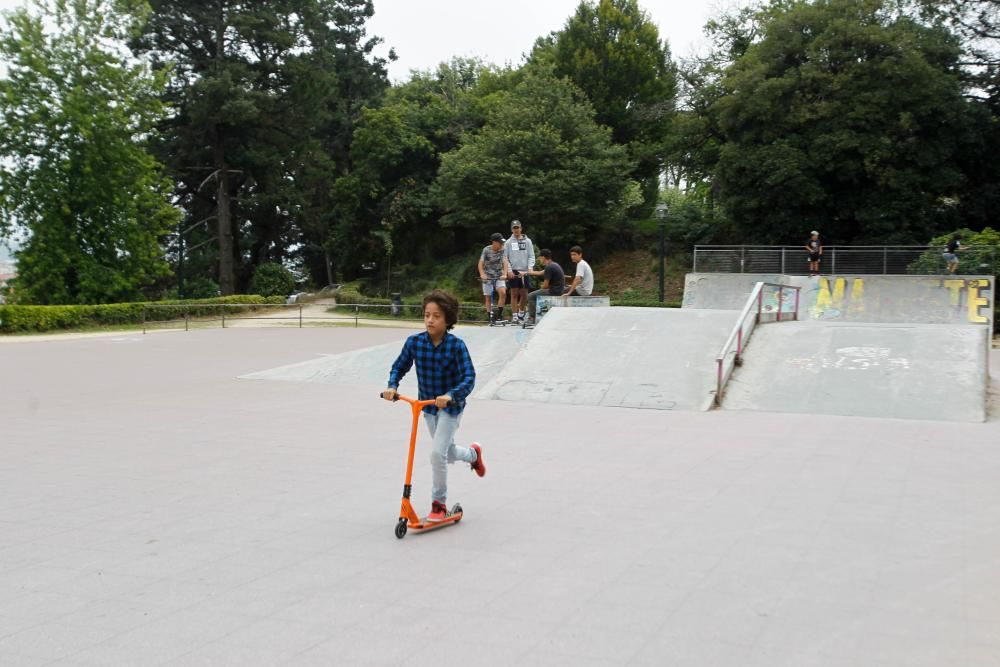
(272, 279)
(38, 319)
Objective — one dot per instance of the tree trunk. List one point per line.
(227, 273)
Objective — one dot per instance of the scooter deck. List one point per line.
(426, 525)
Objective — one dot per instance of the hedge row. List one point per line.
(18, 319)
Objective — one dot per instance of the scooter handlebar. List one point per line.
(414, 401)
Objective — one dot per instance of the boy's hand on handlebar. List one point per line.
(390, 394)
(442, 401)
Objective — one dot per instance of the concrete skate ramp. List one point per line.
(657, 358)
(490, 348)
(857, 298)
(908, 371)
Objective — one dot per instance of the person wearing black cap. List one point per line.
(520, 255)
(553, 283)
(493, 266)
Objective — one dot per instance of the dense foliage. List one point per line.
(150, 149)
(76, 180)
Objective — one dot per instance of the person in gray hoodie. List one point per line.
(519, 255)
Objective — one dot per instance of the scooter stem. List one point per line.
(415, 407)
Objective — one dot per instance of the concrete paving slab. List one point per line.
(598, 536)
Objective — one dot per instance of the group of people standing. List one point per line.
(509, 265)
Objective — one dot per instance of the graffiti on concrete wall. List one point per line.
(885, 299)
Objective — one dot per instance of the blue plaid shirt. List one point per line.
(445, 369)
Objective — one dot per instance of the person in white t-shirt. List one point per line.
(583, 281)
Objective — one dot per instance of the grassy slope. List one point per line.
(631, 275)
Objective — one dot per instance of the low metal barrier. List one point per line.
(871, 260)
(217, 312)
(753, 313)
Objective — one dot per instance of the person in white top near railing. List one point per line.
(815, 249)
(583, 281)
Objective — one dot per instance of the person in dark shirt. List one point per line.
(553, 282)
(815, 249)
(950, 253)
(445, 374)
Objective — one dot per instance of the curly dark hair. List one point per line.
(448, 305)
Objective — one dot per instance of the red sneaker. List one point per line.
(478, 466)
(439, 512)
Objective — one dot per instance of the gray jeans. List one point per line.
(533, 301)
(444, 451)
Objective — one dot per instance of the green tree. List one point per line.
(612, 51)
(266, 97)
(978, 23)
(980, 257)
(76, 180)
(387, 200)
(846, 116)
(541, 157)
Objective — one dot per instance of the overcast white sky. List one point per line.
(425, 33)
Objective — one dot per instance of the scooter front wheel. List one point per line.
(401, 528)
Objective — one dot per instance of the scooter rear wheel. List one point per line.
(401, 528)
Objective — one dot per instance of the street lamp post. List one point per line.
(661, 217)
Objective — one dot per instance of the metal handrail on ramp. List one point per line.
(729, 356)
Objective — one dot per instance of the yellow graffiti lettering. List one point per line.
(976, 302)
(822, 297)
(839, 288)
(955, 287)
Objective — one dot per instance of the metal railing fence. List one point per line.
(870, 260)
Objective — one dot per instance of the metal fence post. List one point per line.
(355, 317)
(743, 251)
(782, 261)
(833, 261)
(222, 309)
(144, 320)
(694, 269)
(185, 318)
(300, 315)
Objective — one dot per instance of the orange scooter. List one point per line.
(408, 518)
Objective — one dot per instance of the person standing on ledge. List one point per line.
(815, 249)
(519, 254)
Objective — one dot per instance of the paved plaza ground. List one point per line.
(157, 510)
